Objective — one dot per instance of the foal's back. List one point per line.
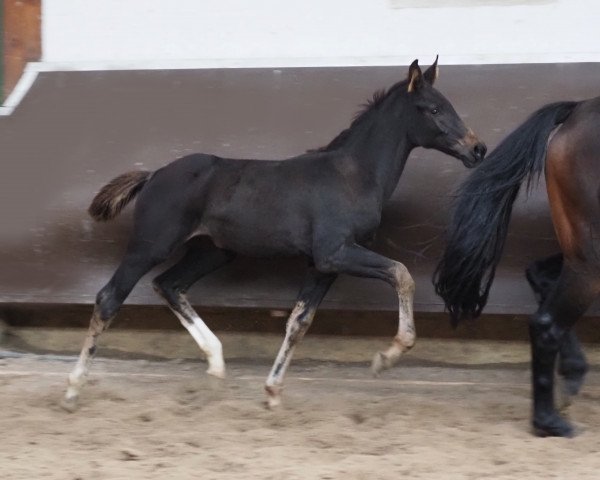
(260, 207)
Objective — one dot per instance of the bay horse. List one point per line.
(322, 205)
(562, 140)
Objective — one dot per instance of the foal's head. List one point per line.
(433, 122)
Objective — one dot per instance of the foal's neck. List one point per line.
(380, 145)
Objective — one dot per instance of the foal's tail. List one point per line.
(113, 196)
(476, 235)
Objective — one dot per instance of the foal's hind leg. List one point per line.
(314, 289)
(568, 301)
(542, 276)
(173, 284)
(137, 261)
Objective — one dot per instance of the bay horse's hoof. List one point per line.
(553, 426)
(69, 404)
(573, 379)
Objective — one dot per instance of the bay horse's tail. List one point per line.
(113, 196)
(478, 229)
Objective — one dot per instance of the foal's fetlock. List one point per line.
(70, 402)
(387, 359)
(403, 342)
(216, 362)
(77, 378)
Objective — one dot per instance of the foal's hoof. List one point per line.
(380, 363)
(553, 426)
(69, 404)
(218, 371)
(273, 397)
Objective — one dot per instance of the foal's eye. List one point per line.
(434, 111)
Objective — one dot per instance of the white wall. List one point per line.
(84, 34)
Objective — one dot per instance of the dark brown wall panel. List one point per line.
(76, 130)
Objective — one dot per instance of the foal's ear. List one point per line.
(432, 73)
(415, 77)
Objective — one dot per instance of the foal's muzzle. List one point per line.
(479, 151)
(475, 150)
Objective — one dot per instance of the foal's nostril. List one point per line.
(480, 150)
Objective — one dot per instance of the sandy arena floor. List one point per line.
(425, 419)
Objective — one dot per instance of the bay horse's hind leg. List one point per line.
(173, 284)
(572, 364)
(313, 290)
(571, 296)
(542, 276)
(138, 260)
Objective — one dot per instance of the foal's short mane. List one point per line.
(379, 97)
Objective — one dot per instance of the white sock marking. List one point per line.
(207, 341)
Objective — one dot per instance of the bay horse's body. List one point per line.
(564, 140)
(322, 205)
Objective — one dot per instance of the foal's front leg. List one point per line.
(356, 260)
(407, 334)
(314, 289)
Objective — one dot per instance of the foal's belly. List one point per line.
(259, 238)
